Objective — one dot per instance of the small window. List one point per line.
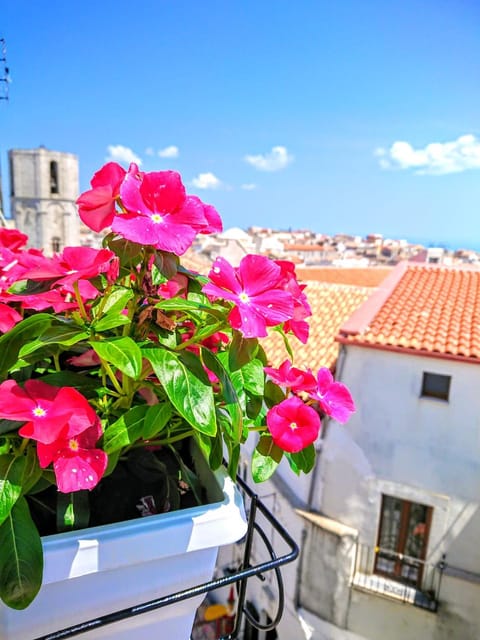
(53, 177)
(56, 245)
(435, 385)
(402, 539)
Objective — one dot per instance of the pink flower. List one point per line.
(334, 397)
(12, 239)
(73, 264)
(88, 358)
(159, 212)
(301, 308)
(293, 425)
(97, 206)
(176, 286)
(40, 301)
(76, 462)
(46, 409)
(255, 287)
(8, 317)
(293, 378)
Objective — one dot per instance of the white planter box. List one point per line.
(100, 570)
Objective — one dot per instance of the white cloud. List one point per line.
(149, 151)
(124, 155)
(276, 159)
(249, 187)
(207, 181)
(437, 158)
(169, 152)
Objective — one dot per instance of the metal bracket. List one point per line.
(241, 576)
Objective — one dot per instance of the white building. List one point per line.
(397, 549)
(43, 190)
(389, 521)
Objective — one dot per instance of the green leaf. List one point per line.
(232, 404)
(156, 419)
(233, 459)
(73, 510)
(85, 384)
(21, 558)
(126, 430)
(17, 475)
(166, 263)
(110, 321)
(253, 377)
(10, 425)
(265, 459)
(123, 353)
(273, 394)
(117, 300)
(242, 350)
(22, 333)
(303, 460)
(190, 393)
(212, 448)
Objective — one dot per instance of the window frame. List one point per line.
(402, 561)
(427, 392)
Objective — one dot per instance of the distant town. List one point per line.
(309, 250)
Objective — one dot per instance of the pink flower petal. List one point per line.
(83, 470)
(258, 274)
(293, 425)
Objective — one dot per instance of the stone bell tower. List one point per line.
(43, 190)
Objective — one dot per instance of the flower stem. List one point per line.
(112, 377)
(79, 300)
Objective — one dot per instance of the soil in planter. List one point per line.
(143, 483)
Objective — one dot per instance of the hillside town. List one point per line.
(389, 519)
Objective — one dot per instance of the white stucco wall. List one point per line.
(420, 449)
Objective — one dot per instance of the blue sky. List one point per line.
(308, 114)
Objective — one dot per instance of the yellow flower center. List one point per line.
(39, 412)
(73, 445)
(293, 426)
(157, 218)
(244, 297)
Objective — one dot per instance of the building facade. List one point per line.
(389, 521)
(43, 190)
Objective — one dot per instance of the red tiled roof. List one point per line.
(331, 305)
(421, 309)
(303, 247)
(360, 276)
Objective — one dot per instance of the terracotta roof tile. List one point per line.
(331, 305)
(359, 276)
(430, 310)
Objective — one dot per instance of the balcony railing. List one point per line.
(394, 575)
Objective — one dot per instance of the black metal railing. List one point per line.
(239, 577)
(404, 578)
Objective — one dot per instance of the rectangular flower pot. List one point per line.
(96, 571)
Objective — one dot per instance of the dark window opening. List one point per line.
(53, 177)
(56, 244)
(402, 540)
(435, 385)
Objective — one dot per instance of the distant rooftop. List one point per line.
(422, 309)
(331, 305)
(359, 276)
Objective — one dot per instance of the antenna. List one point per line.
(4, 71)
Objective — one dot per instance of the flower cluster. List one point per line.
(105, 353)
